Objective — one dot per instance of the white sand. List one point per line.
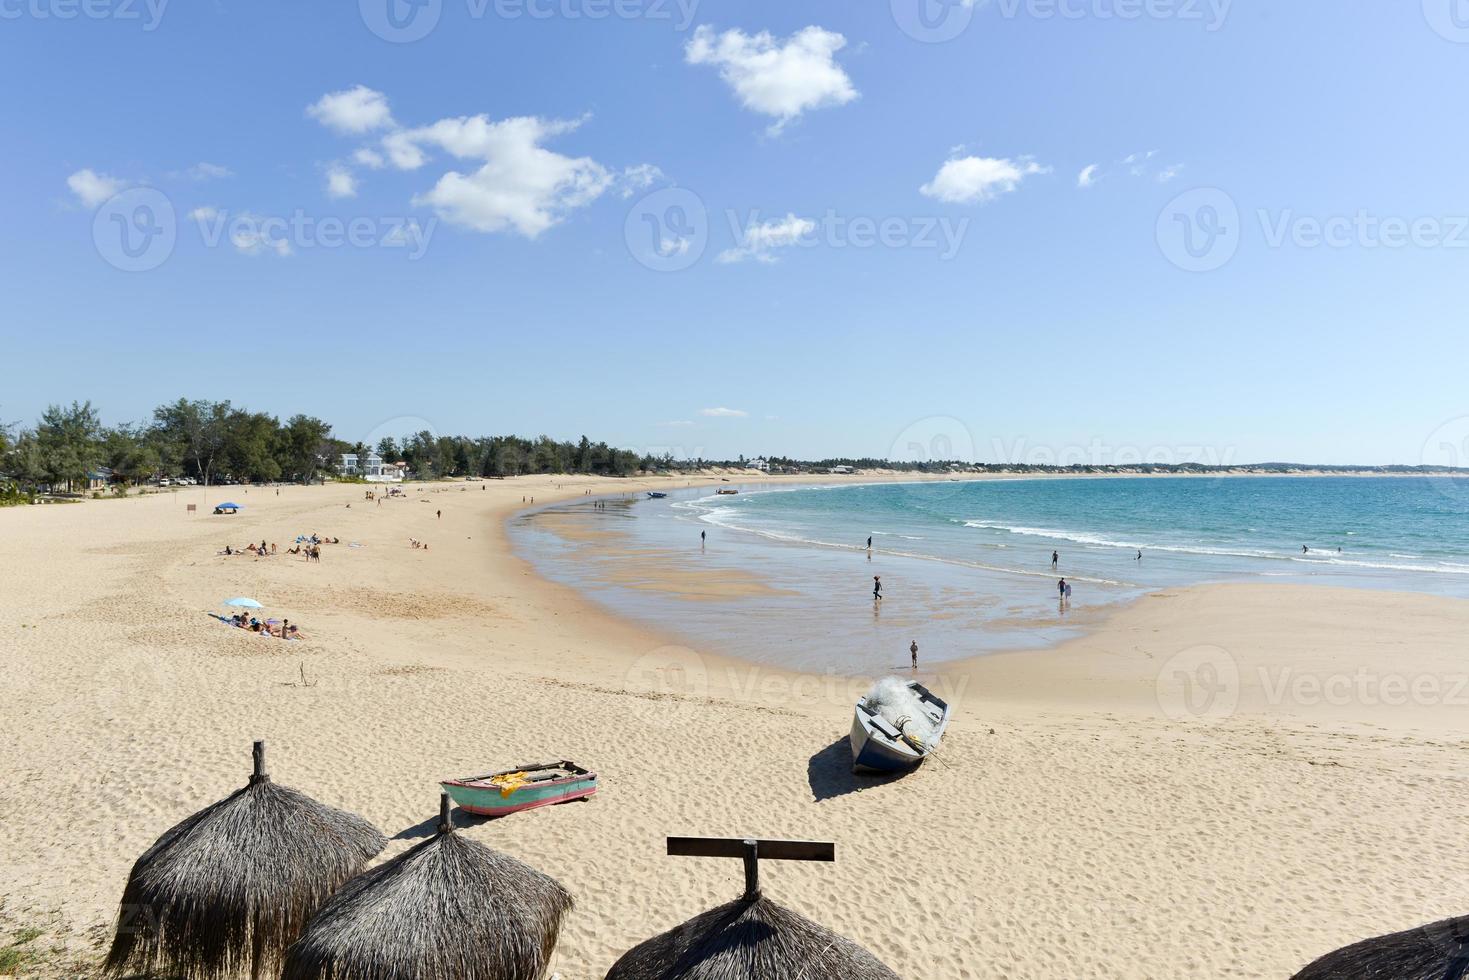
(1078, 822)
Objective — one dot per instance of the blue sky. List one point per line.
(543, 268)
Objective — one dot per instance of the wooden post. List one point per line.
(752, 870)
(752, 850)
(259, 775)
(446, 823)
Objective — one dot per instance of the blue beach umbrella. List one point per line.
(229, 507)
(243, 603)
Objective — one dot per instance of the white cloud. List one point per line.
(521, 185)
(92, 188)
(975, 180)
(639, 178)
(773, 77)
(203, 171)
(760, 239)
(204, 213)
(1137, 163)
(1088, 175)
(1168, 173)
(250, 234)
(352, 111)
(340, 183)
(724, 413)
(369, 158)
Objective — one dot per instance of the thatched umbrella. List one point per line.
(752, 938)
(232, 886)
(1439, 951)
(448, 909)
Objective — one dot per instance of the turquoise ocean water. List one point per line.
(966, 566)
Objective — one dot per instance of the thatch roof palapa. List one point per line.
(1438, 951)
(227, 890)
(448, 909)
(752, 938)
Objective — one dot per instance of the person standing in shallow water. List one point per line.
(1055, 559)
(1061, 589)
(913, 649)
(869, 542)
(876, 587)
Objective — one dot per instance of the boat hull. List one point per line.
(879, 747)
(871, 755)
(486, 800)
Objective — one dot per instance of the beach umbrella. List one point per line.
(229, 506)
(1439, 951)
(448, 909)
(752, 938)
(243, 603)
(226, 891)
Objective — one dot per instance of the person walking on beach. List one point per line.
(1055, 559)
(913, 649)
(439, 514)
(703, 538)
(1061, 590)
(876, 587)
(869, 542)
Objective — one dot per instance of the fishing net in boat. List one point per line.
(900, 707)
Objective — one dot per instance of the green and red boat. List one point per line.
(497, 794)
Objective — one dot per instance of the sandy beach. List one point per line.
(1216, 782)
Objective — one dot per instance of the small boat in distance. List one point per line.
(896, 726)
(657, 494)
(726, 491)
(522, 788)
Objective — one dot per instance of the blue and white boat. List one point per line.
(896, 726)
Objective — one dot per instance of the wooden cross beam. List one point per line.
(752, 851)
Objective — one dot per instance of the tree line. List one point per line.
(69, 448)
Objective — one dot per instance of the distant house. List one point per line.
(348, 464)
(374, 470)
(100, 478)
(841, 469)
(758, 464)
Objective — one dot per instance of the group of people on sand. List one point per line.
(259, 551)
(418, 544)
(283, 631)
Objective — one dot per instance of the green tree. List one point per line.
(196, 432)
(70, 442)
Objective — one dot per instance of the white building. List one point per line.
(758, 464)
(372, 468)
(841, 469)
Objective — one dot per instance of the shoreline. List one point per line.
(1064, 786)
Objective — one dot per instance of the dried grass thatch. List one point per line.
(227, 890)
(449, 909)
(750, 939)
(1439, 951)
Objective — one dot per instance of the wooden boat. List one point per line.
(725, 490)
(880, 744)
(522, 788)
(656, 495)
